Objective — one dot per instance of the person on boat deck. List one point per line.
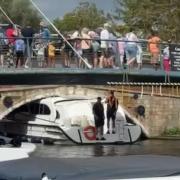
(112, 106)
(98, 111)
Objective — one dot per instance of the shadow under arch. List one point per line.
(23, 102)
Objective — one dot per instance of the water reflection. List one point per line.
(156, 147)
(98, 150)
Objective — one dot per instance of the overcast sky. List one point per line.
(57, 8)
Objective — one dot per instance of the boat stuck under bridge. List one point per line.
(57, 119)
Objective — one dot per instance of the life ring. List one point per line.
(90, 133)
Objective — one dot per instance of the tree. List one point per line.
(147, 15)
(20, 11)
(85, 15)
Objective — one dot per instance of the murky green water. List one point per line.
(154, 147)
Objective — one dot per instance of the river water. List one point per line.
(146, 147)
(148, 158)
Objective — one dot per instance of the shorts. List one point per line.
(166, 64)
(107, 53)
(111, 115)
(51, 58)
(87, 53)
(20, 54)
(131, 51)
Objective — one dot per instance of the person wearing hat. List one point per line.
(44, 32)
(98, 111)
(86, 45)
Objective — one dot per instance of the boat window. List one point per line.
(39, 109)
(23, 108)
(34, 107)
(44, 109)
(57, 115)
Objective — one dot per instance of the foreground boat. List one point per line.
(66, 118)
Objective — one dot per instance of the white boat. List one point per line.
(66, 118)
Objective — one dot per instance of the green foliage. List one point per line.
(145, 15)
(85, 15)
(172, 132)
(20, 11)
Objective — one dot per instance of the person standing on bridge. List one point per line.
(98, 111)
(154, 49)
(51, 55)
(28, 33)
(167, 62)
(19, 49)
(112, 106)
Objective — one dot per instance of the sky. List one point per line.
(57, 8)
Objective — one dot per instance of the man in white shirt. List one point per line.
(131, 48)
(105, 45)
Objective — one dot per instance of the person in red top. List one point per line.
(10, 34)
(112, 107)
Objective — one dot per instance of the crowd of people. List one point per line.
(101, 48)
(19, 44)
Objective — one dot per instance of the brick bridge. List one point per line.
(161, 101)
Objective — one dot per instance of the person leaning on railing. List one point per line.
(131, 48)
(67, 52)
(105, 46)
(28, 33)
(86, 44)
(77, 46)
(11, 33)
(139, 56)
(19, 49)
(167, 62)
(121, 50)
(95, 48)
(51, 55)
(154, 49)
(2, 44)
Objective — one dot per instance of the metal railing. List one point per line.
(36, 54)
